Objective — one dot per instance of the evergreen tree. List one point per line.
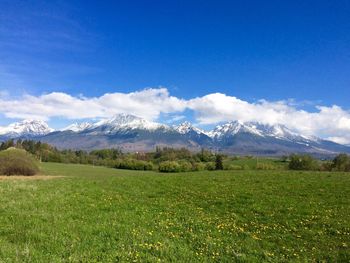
(218, 162)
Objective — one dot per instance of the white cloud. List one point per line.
(148, 103)
(342, 140)
(327, 122)
(218, 107)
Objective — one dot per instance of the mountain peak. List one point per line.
(78, 127)
(28, 127)
(187, 127)
(232, 128)
(277, 131)
(128, 122)
(138, 133)
(123, 118)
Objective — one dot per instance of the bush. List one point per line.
(326, 166)
(169, 167)
(198, 166)
(210, 166)
(185, 166)
(17, 162)
(302, 162)
(133, 164)
(341, 163)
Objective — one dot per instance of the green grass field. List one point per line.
(253, 162)
(96, 214)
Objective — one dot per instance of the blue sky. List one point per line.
(251, 50)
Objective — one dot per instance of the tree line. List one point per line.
(164, 159)
(340, 163)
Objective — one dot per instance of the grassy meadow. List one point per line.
(95, 214)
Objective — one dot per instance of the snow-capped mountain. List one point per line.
(277, 131)
(277, 139)
(124, 123)
(187, 127)
(28, 128)
(132, 133)
(78, 127)
(280, 131)
(232, 128)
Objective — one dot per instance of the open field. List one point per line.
(25, 177)
(254, 162)
(96, 214)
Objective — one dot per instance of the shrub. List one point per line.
(133, 164)
(205, 155)
(17, 162)
(198, 166)
(302, 162)
(210, 166)
(185, 166)
(148, 166)
(326, 166)
(341, 163)
(169, 167)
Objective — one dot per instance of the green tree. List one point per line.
(341, 163)
(219, 162)
(302, 162)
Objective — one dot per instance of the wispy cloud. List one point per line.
(38, 48)
(25, 29)
(176, 118)
(327, 122)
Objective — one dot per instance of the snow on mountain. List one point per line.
(141, 134)
(277, 131)
(186, 127)
(26, 128)
(124, 122)
(282, 132)
(232, 128)
(78, 127)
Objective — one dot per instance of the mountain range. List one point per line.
(131, 133)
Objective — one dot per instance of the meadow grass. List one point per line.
(96, 214)
(253, 162)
